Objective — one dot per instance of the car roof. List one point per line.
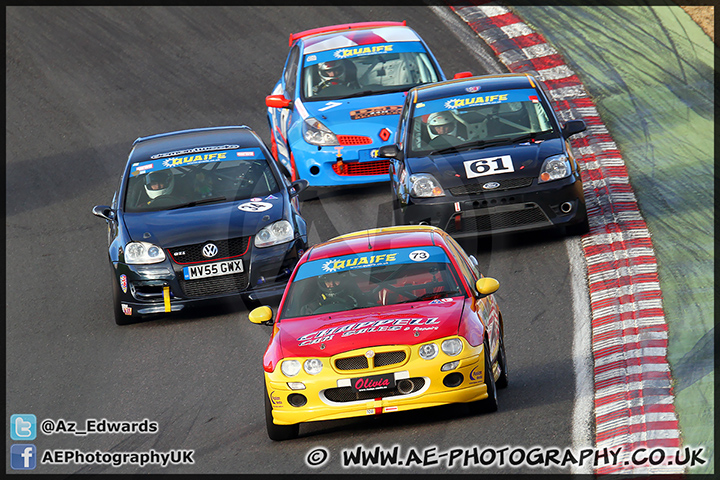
(240, 135)
(354, 34)
(385, 238)
(486, 83)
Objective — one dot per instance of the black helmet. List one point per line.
(331, 285)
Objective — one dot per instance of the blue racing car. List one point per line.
(200, 216)
(339, 99)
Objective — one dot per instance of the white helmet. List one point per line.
(441, 119)
(334, 70)
(159, 183)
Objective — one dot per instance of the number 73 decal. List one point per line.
(488, 166)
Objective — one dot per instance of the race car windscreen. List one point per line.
(366, 70)
(371, 279)
(191, 179)
(478, 119)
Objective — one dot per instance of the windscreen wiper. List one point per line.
(372, 92)
(532, 136)
(431, 295)
(199, 202)
(471, 145)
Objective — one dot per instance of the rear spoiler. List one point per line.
(344, 26)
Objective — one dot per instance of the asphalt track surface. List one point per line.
(82, 84)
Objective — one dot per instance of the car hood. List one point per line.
(404, 324)
(188, 226)
(359, 116)
(449, 169)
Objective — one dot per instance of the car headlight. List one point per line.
(315, 133)
(290, 368)
(554, 168)
(452, 346)
(313, 366)
(424, 185)
(274, 234)
(428, 351)
(142, 253)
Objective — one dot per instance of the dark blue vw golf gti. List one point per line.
(201, 216)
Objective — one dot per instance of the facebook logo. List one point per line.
(23, 427)
(22, 457)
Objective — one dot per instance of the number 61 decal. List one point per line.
(488, 166)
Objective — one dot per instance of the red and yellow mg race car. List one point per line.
(380, 321)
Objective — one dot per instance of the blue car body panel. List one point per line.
(365, 123)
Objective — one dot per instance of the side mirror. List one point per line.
(486, 286)
(390, 151)
(297, 186)
(277, 101)
(103, 211)
(572, 127)
(462, 75)
(261, 316)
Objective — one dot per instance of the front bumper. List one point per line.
(554, 204)
(161, 288)
(341, 165)
(419, 384)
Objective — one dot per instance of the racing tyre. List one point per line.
(277, 433)
(120, 317)
(251, 304)
(308, 194)
(502, 381)
(579, 228)
(490, 404)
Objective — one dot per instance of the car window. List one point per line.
(479, 118)
(366, 70)
(189, 180)
(469, 270)
(291, 72)
(371, 279)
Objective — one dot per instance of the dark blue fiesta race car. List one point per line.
(485, 155)
(201, 216)
(339, 98)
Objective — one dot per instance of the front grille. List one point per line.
(233, 247)
(383, 359)
(352, 363)
(499, 220)
(354, 140)
(360, 362)
(377, 167)
(347, 394)
(203, 287)
(505, 184)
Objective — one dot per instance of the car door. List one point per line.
(281, 118)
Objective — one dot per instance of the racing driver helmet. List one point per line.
(332, 286)
(159, 183)
(441, 123)
(332, 71)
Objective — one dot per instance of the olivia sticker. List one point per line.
(127, 310)
(255, 206)
(123, 283)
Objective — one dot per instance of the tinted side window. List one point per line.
(291, 72)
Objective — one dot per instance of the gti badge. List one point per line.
(491, 186)
(209, 250)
